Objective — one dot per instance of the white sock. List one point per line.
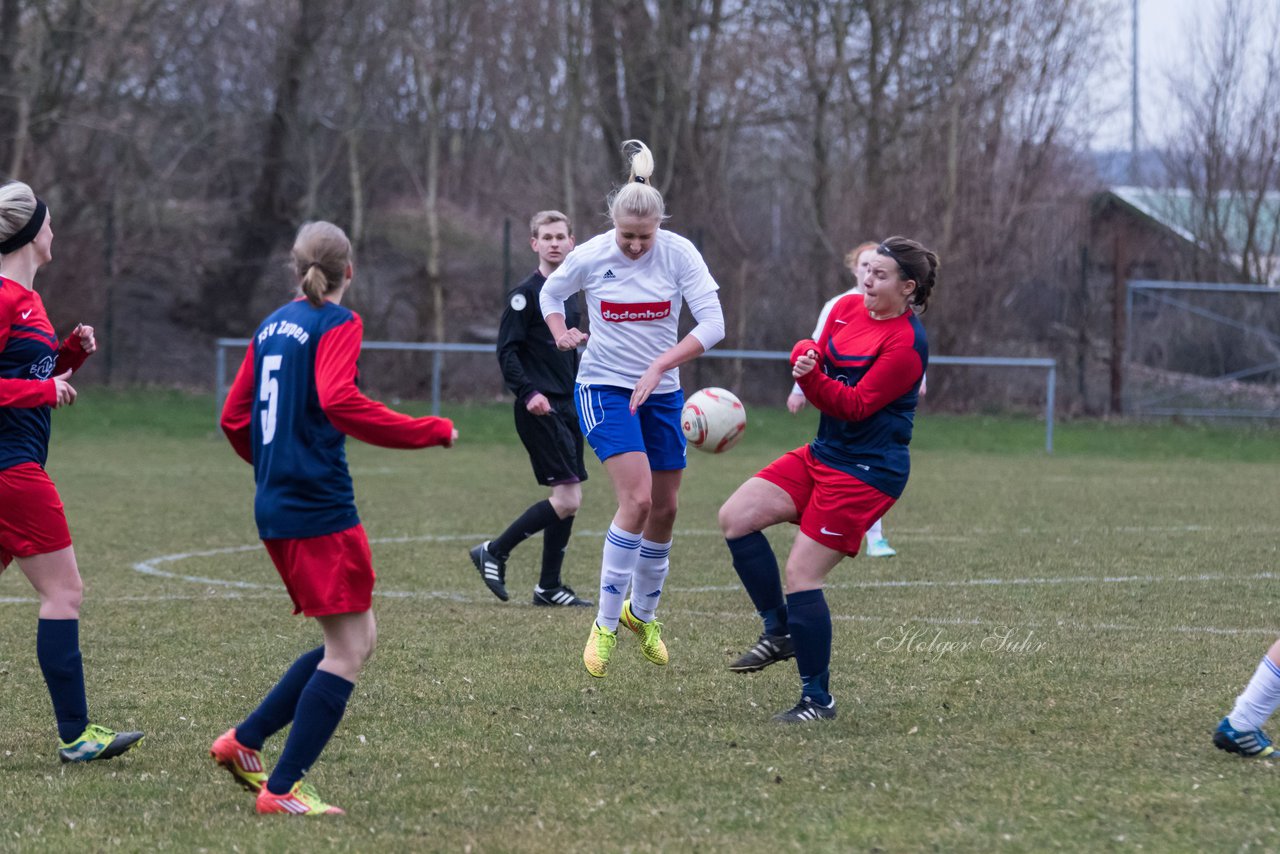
(1259, 699)
(875, 532)
(621, 551)
(651, 573)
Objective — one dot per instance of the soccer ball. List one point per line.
(713, 420)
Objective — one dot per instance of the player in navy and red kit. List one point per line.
(35, 370)
(289, 411)
(871, 355)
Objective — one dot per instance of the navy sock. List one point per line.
(531, 521)
(58, 651)
(320, 709)
(276, 709)
(756, 565)
(555, 538)
(810, 621)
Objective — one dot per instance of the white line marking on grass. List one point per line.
(1013, 582)
(151, 567)
(973, 621)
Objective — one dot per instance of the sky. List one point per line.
(1164, 29)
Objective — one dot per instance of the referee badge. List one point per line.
(518, 302)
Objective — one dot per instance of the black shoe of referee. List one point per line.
(562, 596)
(492, 570)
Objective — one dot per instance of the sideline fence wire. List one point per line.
(1050, 366)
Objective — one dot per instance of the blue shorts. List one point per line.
(604, 414)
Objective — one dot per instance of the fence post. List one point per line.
(1048, 407)
(436, 358)
(220, 380)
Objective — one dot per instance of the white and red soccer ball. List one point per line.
(713, 420)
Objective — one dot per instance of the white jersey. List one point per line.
(634, 306)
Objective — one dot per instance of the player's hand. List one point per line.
(453, 437)
(644, 387)
(538, 404)
(805, 364)
(571, 338)
(85, 334)
(66, 393)
(795, 402)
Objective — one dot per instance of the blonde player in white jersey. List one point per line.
(635, 277)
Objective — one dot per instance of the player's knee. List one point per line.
(566, 503)
(663, 515)
(66, 598)
(638, 505)
(734, 521)
(801, 578)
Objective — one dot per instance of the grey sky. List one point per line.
(1164, 31)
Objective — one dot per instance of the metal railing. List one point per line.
(1162, 403)
(439, 349)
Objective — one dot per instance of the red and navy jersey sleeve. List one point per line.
(885, 375)
(292, 405)
(71, 355)
(356, 415)
(28, 354)
(237, 409)
(867, 388)
(24, 341)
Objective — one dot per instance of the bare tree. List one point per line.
(268, 217)
(1227, 154)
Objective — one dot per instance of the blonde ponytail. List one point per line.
(637, 198)
(321, 256)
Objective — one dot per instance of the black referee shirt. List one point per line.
(527, 354)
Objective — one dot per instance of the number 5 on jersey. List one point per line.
(270, 393)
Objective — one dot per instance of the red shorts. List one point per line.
(330, 574)
(32, 521)
(835, 508)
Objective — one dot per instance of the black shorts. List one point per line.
(553, 441)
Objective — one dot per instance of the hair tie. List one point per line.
(640, 179)
(28, 232)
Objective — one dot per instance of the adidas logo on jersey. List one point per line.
(608, 276)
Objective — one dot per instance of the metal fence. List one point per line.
(1201, 349)
(438, 350)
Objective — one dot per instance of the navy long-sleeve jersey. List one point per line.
(293, 402)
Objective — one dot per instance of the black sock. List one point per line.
(275, 712)
(810, 622)
(555, 538)
(756, 565)
(58, 651)
(531, 521)
(321, 705)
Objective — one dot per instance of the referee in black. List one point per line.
(542, 377)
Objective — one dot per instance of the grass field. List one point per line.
(1131, 577)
